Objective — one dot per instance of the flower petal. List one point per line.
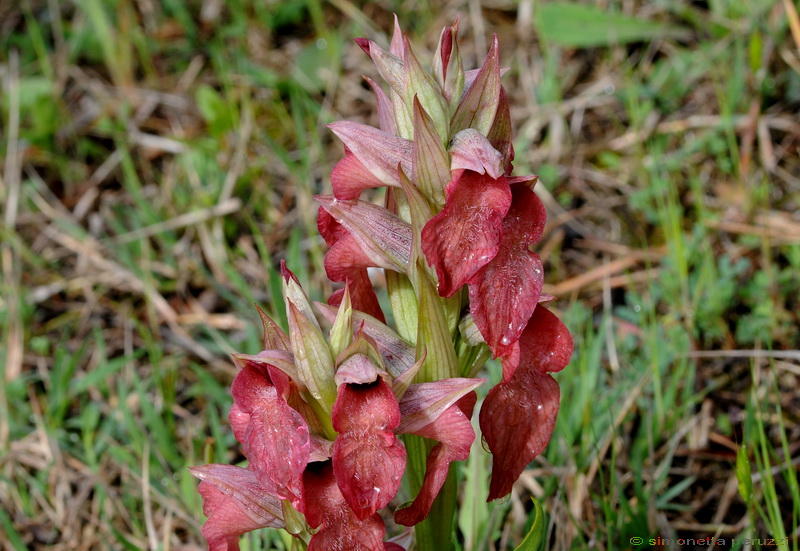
(546, 342)
(447, 65)
(325, 508)
(276, 441)
(389, 66)
(235, 503)
(424, 403)
(368, 460)
(454, 431)
(381, 235)
(431, 163)
(362, 295)
(469, 149)
(465, 235)
(379, 151)
(504, 293)
(350, 177)
(345, 257)
(517, 419)
(386, 119)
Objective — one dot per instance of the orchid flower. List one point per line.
(331, 422)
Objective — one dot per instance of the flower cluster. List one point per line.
(326, 422)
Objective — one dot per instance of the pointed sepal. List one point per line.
(479, 104)
(381, 235)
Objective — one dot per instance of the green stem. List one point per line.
(435, 533)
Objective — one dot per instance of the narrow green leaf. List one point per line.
(743, 475)
(533, 541)
(584, 26)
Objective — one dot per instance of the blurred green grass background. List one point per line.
(160, 158)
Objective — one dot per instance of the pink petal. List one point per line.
(357, 369)
(469, 149)
(362, 294)
(504, 293)
(344, 258)
(424, 403)
(276, 441)
(386, 118)
(396, 45)
(453, 430)
(382, 236)
(517, 419)
(350, 177)
(368, 460)
(379, 151)
(389, 66)
(325, 508)
(235, 503)
(465, 235)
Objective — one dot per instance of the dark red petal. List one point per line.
(362, 295)
(325, 508)
(368, 460)
(328, 227)
(453, 430)
(350, 177)
(276, 365)
(465, 235)
(546, 342)
(235, 503)
(276, 441)
(517, 419)
(505, 292)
